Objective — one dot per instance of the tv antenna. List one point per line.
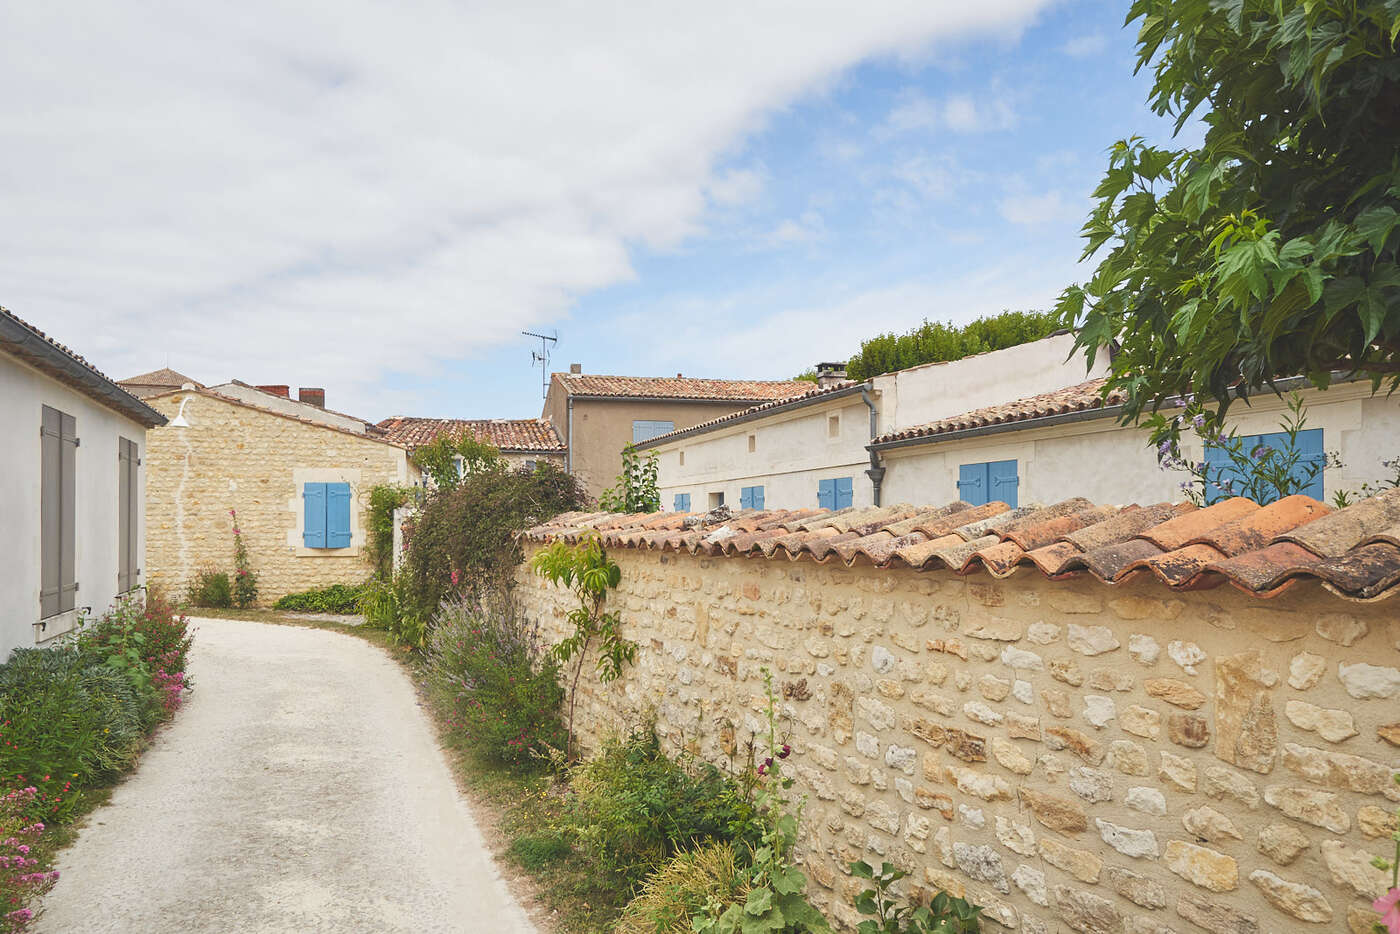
(542, 358)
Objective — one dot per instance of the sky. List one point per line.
(378, 198)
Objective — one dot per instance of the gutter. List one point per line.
(25, 344)
(876, 473)
(1044, 421)
(747, 415)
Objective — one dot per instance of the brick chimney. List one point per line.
(575, 367)
(312, 396)
(829, 374)
(284, 391)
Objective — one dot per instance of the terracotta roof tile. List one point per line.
(1256, 549)
(530, 435)
(682, 388)
(1083, 397)
(1335, 535)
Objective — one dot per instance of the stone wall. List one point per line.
(237, 457)
(1074, 757)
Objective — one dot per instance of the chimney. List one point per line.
(575, 367)
(284, 391)
(829, 374)
(312, 396)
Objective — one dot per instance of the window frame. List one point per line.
(641, 427)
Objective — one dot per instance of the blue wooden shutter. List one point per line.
(972, 484)
(746, 497)
(1220, 468)
(1310, 449)
(337, 515)
(1002, 482)
(826, 494)
(757, 497)
(844, 491)
(313, 497)
(682, 503)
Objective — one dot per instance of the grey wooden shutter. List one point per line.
(50, 511)
(68, 448)
(126, 515)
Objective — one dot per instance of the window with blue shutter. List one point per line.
(836, 493)
(1220, 467)
(979, 484)
(682, 502)
(326, 515)
(645, 429)
(751, 497)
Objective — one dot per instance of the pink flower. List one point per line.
(1389, 907)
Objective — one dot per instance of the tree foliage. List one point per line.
(636, 487)
(1270, 251)
(439, 457)
(937, 341)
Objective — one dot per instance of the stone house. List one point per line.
(71, 490)
(523, 442)
(597, 416)
(297, 474)
(813, 449)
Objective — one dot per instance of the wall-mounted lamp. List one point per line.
(179, 420)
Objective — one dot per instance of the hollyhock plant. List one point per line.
(22, 884)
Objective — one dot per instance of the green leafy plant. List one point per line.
(1388, 905)
(1260, 472)
(633, 807)
(210, 587)
(775, 897)
(586, 570)
(245, 581)
(337, 598)
(945, 914)
(448, 459)
(486, 661)
(937, 341)
(384, 499)
(635, 489)
(1344, 498)
(1271, 250)
(535, 851)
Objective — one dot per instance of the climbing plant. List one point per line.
(636, 487)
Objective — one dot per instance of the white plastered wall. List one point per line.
(25, 391)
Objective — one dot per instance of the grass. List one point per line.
(519, 809)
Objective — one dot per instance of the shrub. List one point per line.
(145, 638)
(337, 598)
(634, 807)
(379, 526)
(534, 851)
(503, 690)
(683, 887)
(22, 884)
(211, 588)
(388, 604)
(245, 582)
(66, 719)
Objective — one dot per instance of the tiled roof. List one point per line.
(1262, 550)
(164, 377)
(1084, 397)
(376, 436)
(36, 348)
(682, 388)
(813, 395)
(508, 434)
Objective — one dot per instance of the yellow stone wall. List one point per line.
(1074, 757)
(238, 457)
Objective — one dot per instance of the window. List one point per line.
(753, 443)
(717, 499)
(58, 450)
(645, 429)
(1309, 448)
(459, 463)
(989, 482)
(835, 493)
(682, 502)
(531, 465)
(833, 426)
(128, 515)
(681, 458)
(751, 497)
(327, 515)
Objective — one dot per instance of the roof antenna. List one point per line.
(542, 358)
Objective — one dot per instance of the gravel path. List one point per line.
(299, 789)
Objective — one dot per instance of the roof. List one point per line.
(1261, 550)
(369, 426)
(680, 388)
(47, 355)
(535, 435)
(1085, 399)
(374, 437)
(154, 382)
(812, 397)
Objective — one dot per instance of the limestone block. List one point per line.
(1138, 889)
(1009, 757)
(1282, 843)
(1174, 692)
(1202, 866)
(1099, 710)
(981, 863)
(1086, 912)
(1352, 868)
(1187, 655)
(1052, 811)
(1341, 628)
(1331, 724)
(1245, 726)
(1139, 844)
(1305, 670)
(1128, 757)
(1016, 837)
(1309, 805)
(1144, 649)
(1341, 770)
(993, 688)
(1093, 785)
(1177, 771)
(1364, 681)
(1141, 721)
(1031, 881)
(1082, 864)
(1301, 901)
(1043, 633)
(1210, 825)
(1057, 702)
(1091, 640)
(980, 712)
(1215, 917)
(1221, 783)
(1147, 800)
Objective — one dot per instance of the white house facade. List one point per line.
(814, 450)
(72, 490)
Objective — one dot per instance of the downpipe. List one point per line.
(876, 472)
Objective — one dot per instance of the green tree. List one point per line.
(439, 459)
(937, 341)
(635, 490)
(1270, 250)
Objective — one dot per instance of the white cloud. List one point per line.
(807, 227)
(959, 113)
(1028, 209)
(1085, 46)
(324, 193)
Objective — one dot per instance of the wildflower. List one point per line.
(1199, 421)
(787, 751)
(1388, 906)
